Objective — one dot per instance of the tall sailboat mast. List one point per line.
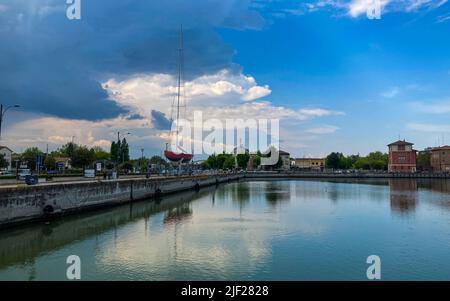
(180, 70)
(175, 156)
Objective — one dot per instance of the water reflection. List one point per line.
(178, 214)
(258, 230)
(277, 193)
(403, 195)
(274, 193)
(40, 238)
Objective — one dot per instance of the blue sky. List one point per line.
(337, 80)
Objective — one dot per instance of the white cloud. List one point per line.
(429, 127)
(256, 92)
(40, 130)
(222, 96)
(357, 8)
(443, 18)
(326, 129)
(318, 112)
(416, 4)
(433, 108)
(391, 93)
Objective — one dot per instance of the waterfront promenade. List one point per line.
(11, 183)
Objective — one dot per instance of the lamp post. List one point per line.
(2, 115)
(142, 160)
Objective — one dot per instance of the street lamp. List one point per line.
(2, 114)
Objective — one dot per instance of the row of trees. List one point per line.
(82, 156)
(241, 161)
(373, 161)
(120, 151)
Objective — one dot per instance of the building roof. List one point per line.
(445, 147)
(2, 147)
(310, 159)
(401, 142)
(281, 152)
(62, 158)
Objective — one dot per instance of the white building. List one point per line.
(7, 152)
(285, 159)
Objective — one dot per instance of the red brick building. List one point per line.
(402, 157)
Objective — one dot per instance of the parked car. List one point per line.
(22, 173)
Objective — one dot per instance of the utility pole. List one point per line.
(142, 160)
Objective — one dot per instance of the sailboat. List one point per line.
(170, 155)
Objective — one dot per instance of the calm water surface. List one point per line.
(261, 230)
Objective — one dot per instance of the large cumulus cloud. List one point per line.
(52, 65)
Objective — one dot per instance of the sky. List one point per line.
(336, 79)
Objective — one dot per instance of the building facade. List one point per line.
(7, 152)
(402, 157)
(285, 160)
(310, 163)
(440, 159)
(63, 163)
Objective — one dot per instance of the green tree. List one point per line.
(229, 162)
(211, 162)
(157, 160)
(242, 160)
(50, 162)
(30, 156)
(31, 153)
(362, 163)
(378, 160)
(348, 162)
(83, 157)
(100, 154)
(68, 149)
(221, 160)
(126, 166)
(256, 161)
(124, 151)
(333, 160)
(114, 152)
(424, 161)
(3, 162)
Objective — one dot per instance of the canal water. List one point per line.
(257, 230)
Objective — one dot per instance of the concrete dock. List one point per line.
(20, 204)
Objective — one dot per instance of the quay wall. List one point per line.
(323, 175)
(26, 203)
